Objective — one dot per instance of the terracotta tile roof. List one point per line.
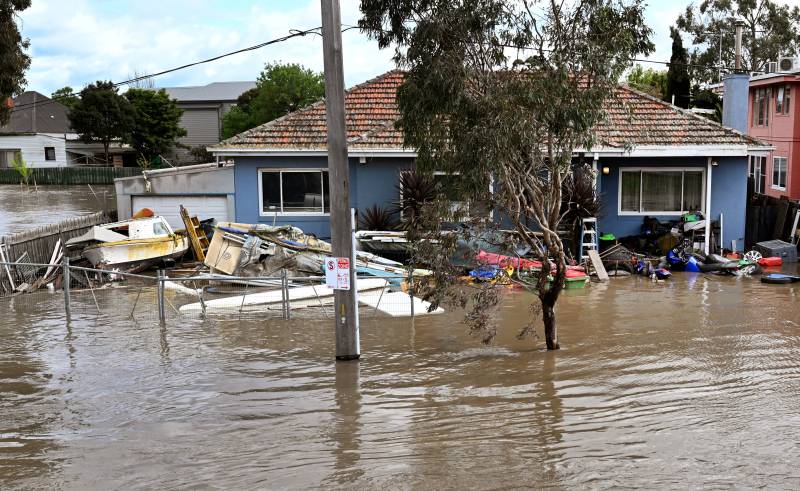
(633, 118)
(637, 118)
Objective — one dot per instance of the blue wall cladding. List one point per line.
(372, 182)
(728, 194)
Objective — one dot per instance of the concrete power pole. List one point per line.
(346, 305)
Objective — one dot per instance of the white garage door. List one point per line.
(168, 207)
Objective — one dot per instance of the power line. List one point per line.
(637, 60)
(292, 34)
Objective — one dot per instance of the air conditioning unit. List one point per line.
(789, 64)
(772, 66)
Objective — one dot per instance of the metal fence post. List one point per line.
(411, 291)
(162, 313)
(65, 286)
(285, 287)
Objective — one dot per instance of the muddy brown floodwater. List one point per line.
(25, 208)
(686, 384)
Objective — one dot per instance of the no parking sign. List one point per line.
(337, 273)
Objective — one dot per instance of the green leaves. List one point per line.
(155, 126)
(281, 89)
(771, 31)
(101, 115)
(13, 59)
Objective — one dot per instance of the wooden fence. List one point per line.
(769, 218)
(69, 175)
(40, 242)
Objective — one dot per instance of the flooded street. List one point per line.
(25, 208)
(689, 383)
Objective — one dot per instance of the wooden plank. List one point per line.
(191, 231)
(597, 264)
(780, 219)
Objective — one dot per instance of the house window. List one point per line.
(291, 191)
(761, 107)
(779, 173)
(49, 153)
(758, 171)
(669, 191)
(783, 99)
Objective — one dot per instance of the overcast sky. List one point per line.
(75, 42)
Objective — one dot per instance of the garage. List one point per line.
(205, 207)
(205, 190)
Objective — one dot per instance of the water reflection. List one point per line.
(347, 424)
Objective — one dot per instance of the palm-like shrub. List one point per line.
(378, 217)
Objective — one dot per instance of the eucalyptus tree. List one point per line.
(772, 29)
(509, 91)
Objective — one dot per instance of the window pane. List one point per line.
(271, 192)
(327, 192)
(302, 191)
(661, 191)
(775, 172)
(786, 100)
(692, 191)
(630, 191)
(779, 100)
(762, 170)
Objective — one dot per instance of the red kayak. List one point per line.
(493, 259)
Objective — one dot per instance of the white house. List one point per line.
(40, 131)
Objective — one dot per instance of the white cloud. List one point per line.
(80, 41)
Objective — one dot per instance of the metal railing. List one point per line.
(101, 291)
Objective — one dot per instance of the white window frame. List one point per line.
(757, 164)
(699, 170)
(281, 170)
(785, 173)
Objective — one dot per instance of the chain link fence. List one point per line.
(159, 298)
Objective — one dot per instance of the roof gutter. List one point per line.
(258, 152)
(737, 150)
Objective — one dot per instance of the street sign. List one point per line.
(337, 273)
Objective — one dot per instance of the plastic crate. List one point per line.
(778, 248)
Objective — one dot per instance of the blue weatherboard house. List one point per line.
(653, 159)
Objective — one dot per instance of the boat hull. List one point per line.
(135, 255)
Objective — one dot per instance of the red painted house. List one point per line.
(774, 117)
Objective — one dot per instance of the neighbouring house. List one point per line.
(203, 109)
(774, 118)
(769, 113)
(206, 190)
(40, 132)
(652, 159)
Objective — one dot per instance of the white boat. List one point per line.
(276, 296)
(131, 245)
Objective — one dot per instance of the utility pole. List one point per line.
(345, 303)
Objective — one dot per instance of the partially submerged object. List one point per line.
(277, 296)
(779, 278)
(130, 245)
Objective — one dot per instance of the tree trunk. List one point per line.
(549, 318)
